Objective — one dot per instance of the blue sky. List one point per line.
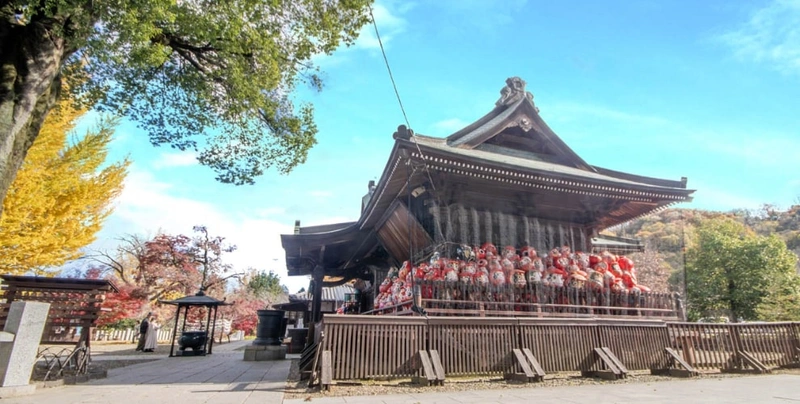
(708, 90)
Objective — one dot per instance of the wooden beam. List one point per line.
(615, 372)
(615, 359)
(429, 377)
(537, 368)
(523, 363)
(677, 358)
(436, 360)
(753, 362)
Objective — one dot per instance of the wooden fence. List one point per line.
(222, 333)
(130, 335)
(383, 347)
(716, 346)
(362, 348)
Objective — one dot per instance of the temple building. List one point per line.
(505, 179)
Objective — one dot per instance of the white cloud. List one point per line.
(766, 149)
(179, 159)
(709, 197)
(771, 36)
(448, 126)
(388, 17)
(389, 22)
(272, 211)
(491, 18)
(320, 194)
(578, 112)
(147, 206)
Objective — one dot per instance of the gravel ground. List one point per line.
(295, 388)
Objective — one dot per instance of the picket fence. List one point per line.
(163, 335)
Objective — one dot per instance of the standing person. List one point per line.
(142, 332)
(151, 338)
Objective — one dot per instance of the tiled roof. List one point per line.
(330, 294)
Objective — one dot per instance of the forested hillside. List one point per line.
(665, 234)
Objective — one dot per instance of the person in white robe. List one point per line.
(151, 337)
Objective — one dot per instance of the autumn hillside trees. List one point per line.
(168, 267)
(61, 196)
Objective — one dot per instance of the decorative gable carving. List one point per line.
(515, 124)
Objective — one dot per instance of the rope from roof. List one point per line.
(386, 61)
(405, 118)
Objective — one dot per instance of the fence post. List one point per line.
(737, 346)
(681, 310)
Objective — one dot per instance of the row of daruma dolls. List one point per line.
(486, 265)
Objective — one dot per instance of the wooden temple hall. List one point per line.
(505, 190)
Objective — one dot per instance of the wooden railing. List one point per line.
(370, 347)
(716, 346)
(440, 298)
(362, 348)
(561, 346)
(476, 346)
(639, 344)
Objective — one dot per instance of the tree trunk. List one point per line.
(732, 303)
(30, 81)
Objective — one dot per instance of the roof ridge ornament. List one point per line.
(513, 92)
(403, 133)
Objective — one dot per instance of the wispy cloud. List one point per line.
(771, 36)
(766, 149)
(320, 194)
(179, 159)
(486, 16)
(390, 24)
(578, 112)
(708, 196)
(148, 205)
(272, 211)
(448, 126)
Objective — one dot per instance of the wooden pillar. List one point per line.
(174, 332)
(209, 335)
(316, 302)
(213, 329)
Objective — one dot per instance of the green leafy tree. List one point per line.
(265, 284)
(731, 270)
(211, 76)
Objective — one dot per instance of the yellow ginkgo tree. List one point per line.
(61, 195)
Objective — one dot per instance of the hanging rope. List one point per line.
(386, 61)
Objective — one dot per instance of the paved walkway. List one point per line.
(219, 378)
(225, 378)
(751, 389)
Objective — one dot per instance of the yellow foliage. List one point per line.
(173, 295)
(61, 196)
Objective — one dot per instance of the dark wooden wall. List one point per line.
(459, 224)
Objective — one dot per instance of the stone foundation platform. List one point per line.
(259, 353)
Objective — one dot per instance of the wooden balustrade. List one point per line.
(362, 348)
(475, 346)
(386, 347)
(716, 346)
(536, 299)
